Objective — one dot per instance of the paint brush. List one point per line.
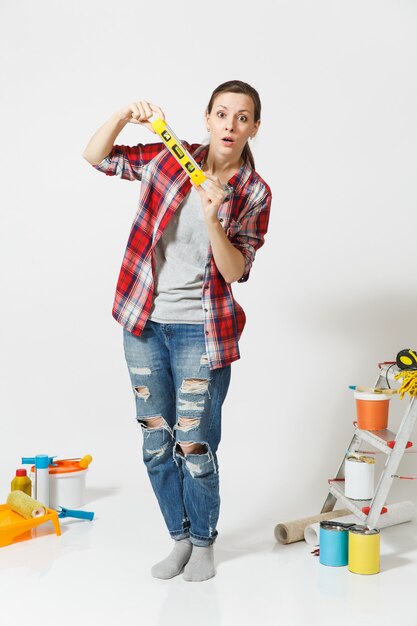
(385, 391)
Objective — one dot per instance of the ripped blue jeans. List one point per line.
(172, 381)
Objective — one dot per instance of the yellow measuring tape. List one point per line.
(176, 148)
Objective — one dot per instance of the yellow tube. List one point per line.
(364, 549)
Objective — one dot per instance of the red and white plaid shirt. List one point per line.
(244, 215)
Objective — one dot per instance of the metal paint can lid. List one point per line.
(363, 395)
(363, 530)
(327, 525)
(361, 459)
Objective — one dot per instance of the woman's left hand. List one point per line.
(211, 198)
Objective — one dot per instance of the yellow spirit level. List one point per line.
(176, 148)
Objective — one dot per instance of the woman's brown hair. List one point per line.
(238, 86)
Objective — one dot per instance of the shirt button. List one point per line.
(206, 310)
(220, 219)
(206, 286)
(207, 332)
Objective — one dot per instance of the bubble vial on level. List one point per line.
(178, 151)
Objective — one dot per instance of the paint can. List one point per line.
(372, 410)
(67, 484)
(333, 544)
(364, 550)
(359, 477)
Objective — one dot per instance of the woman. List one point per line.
(174, 299)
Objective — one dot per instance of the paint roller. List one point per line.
(29, 508)
(25, 506)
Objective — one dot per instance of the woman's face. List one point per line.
(231, 123)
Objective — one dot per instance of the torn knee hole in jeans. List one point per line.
(149, 423)
(142, 392)
(188, 405)
(194, 385)
(204, 359)
(191, 447)
(187, 423)
(201, 461)
(159, 452)
(142, 371)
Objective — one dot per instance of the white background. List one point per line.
(331, 293)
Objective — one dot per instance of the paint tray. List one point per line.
(14, 527)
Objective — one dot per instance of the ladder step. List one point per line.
(377, 438)
(338, 490)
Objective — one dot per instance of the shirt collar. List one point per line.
(238, 180)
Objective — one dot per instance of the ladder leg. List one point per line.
(392, 463)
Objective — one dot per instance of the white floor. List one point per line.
(98, 573)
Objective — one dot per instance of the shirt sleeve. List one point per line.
(251, 235)
(128, 161)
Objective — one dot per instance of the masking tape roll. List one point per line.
(26, 506)
(290, 532)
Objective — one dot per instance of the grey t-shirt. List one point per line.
(180, 258)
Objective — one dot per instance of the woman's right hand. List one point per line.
(140, 112)
(103, 139)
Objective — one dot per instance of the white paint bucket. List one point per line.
(67, 484)
(359, 477)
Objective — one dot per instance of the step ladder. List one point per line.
(379, 439)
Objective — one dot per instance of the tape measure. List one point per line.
(177, 150)
(407, 359)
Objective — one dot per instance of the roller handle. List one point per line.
(63, 512)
